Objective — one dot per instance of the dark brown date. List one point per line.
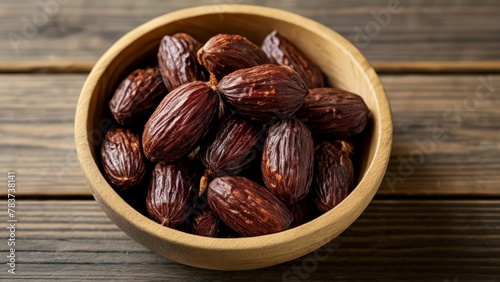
(137, 96)
(283, 52)
(169, 194)
(207, 224)
(334, 112)
(122, 158)
(226, 53)
(246, 207)
(263, 92)
(334, 175)
(287, 160)
(177, 60)
(179, 122)
(231, 150)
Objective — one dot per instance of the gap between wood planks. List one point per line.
(407, 67)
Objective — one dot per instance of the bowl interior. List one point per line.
(344, 67)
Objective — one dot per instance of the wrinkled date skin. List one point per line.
(246, 207)
(207, 224)
(180, 121)
(263, 92)
(334, 112)
(288, 160)
(226, 53)
(137, 96)
(177, 60)
(169, 192)
(334, 177)
(283, 52)
(122, 158)
(231, 150)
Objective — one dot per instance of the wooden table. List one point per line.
(435, 218)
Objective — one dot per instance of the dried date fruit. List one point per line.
(246, 207)
(283, 52)
(169, 194)
(207, 224)
(137, 96)
(122, 158)
(273, 95)
(287, 160)
(231, 150)
(334, 175)
(226, 53)
(181, 119)
(263, 92)
(334, 112)
(177, 60)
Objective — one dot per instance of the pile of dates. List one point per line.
(229, 139)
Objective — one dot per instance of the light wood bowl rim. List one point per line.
(336, 219)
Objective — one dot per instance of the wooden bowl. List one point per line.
(345, 68)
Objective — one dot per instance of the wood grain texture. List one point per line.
(37, 115)
(446, 139)
(409, 67)
(37, 137)
(391, 241)
(419, 30)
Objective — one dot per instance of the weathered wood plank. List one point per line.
(36, 130)
(410, 31)
(36, 117)
(446, 139)
(392, 240)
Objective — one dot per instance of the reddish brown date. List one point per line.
(177, 60)
(231, 150)
(226, 53)
(334, 177)
(179, 122)
(122, 159)
(334, 112)
(207, 224)
(263, 92)
(169, 194)
(287, 160)
(246, 207)
(283, 52)
(137, 96)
